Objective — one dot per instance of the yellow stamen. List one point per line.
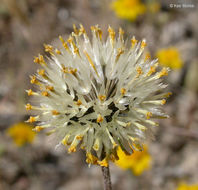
(58, 52)
(102, 97)
(31, 119)
(104, 162)
(163, 101)
(133, 42)
(78, 103)
(34, 80)
(73, 71)
(123, 91)
(139, 71)
(30, 92)
(163, 72)
(119, 52)
(91, 159)
(44, 93)
(111, 34)
(50, 88)
(79, 137)
(72, 149)
(147, 57)
(100, 119)
(82, 29)
(148, 115)
(54, 112)
(48, 48)
(28, 106)
(151, 71)
(41, 72)
(65, 140)
(121, 33)
(97, 31)
(91, 62)
(75, 29)
(39, 60)
(38, 128)
(64, 43)
(143, 44)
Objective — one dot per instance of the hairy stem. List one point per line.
(107, 178)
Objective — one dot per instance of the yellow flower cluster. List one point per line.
(184, 186)
(21, 133)
(170, 57)
(138, 162)
(128, 9)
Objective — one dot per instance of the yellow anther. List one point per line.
(30, 92)
(55, 112)
(39, 59)
(38, 128)
(82, 29)
(91, 62)
(76, 51)
(111, 33)
(91, 159)
(50, 88)
(121, 34)
(168, 94)
(65, 140)
(147, 57)
(28, 106)
(48, 48)
(100, 33)
(102, 97)
(75, 29)
(143, 44)
(58, 52)
(79, 137)
(104, 162)
(139, 71)
(123, 91)
(72, 149)
(133, 42)
(78, 103)
(64, 43)
(163, 72)
(65, 69)
(41, 72)
(121, 31)
(97, 31)
(151, 71)
(100, 119)
(119, 52)
(163, 101)
(73, 71)
(31, 119)
(44, 93)
(70, 40)
(148, 115)
(34, 80)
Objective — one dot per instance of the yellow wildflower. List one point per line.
(21, 133)
(184, 186)
(170, 57)
(137, 162)
(128, 9)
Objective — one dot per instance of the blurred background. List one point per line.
(29, 161)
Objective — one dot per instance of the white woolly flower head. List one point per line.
(98, 94)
